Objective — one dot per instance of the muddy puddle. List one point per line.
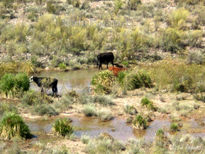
(117, 128)
(78, 80)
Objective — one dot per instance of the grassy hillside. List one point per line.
(60, 33)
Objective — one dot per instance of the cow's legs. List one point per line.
(100, 66)
(55, 90)
(42, 92)
(112, 63)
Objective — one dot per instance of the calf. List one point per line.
(46, 82)
(105, 58)
(116, 70)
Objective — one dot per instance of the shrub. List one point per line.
(105, 115)
(14, 84)
(62, 66)
(45, 109)
(183, 84)
(85, 139)
(7, 83)
(174, 127)
(22, 82)
(195, 57)
(103, 82)
(7, 107)
(51, 8)
(117, 6)
(179, 17)
(133, 4)
(13, 125)
(63, 127)
(130, 110)
(149, 104)
(189, 2)
(103, 100)
(139, 122)
(138, 80)
(89, 111)
(160, 133)
(32, 98)
(105, 145)
(195, 38)
(172, 40)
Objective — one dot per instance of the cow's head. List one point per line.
(31, 79)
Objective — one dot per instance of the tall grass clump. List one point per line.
(14, 84)
(139, 122)
(130, 110)
(105, 115)
(63, 127)
(89, 111)
(174, 127)
(12, 125)
(138, 80)
(7, 84)
(149, 104)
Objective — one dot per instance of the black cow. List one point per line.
(46, 82)
(105, 58)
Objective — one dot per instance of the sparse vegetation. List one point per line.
(63, 127)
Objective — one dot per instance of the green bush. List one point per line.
(103, 82)
(13, 125)
(174, 127)
(63, 127)
(7, 83)
(139, 122)
(10, 83)
(183, 84)
(160, 133)
(62, 66)
(22, 82)
(172, 40)
(149, 104)
(138, 80)
(178, 18)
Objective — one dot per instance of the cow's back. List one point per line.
(102, 57)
